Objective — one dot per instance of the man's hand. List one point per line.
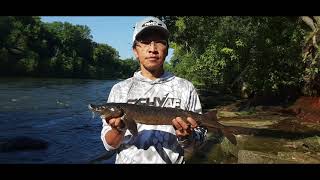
(115, 123)
(183, 129)
(115, 136)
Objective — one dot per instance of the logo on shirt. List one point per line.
(157, 101)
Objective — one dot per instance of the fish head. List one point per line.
(107, 111)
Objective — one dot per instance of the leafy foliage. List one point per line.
(33, 48)
(259, 54)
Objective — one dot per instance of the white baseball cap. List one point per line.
(149, 23)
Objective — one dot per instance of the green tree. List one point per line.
(262, 53)
(311, 56)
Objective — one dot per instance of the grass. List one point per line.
(250, 111)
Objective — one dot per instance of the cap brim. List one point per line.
(154, 28)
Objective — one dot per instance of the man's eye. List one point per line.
(163, 42)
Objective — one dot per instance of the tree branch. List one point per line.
(317, 19)
(309, 22)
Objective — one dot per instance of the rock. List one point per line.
(23, 143)
(311, 143)
(210, 154)
(227, 114)
(247, 122)
(299, 157)
(296, 141)
(251, 149)
(307, 109)
(259, 108)
(228, 148)
(255, 157)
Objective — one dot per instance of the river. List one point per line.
(55, 110)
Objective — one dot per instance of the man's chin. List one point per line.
(153, 69)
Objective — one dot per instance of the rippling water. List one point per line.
(55, 110)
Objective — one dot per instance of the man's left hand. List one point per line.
(184, 129)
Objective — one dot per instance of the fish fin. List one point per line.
(93, 115)
(211, 115)
(131, 125)
(230, 137)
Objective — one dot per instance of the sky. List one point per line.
(115, 31)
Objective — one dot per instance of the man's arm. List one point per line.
(111, 133)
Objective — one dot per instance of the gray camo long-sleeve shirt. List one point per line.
(155, 143)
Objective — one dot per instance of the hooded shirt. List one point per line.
(155, 143)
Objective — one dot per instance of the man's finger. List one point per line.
(116, 123)
(182, 123)
(176, 124)
(111, 121)
(192, 122)
(179, 133)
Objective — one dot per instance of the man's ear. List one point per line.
(167, 48)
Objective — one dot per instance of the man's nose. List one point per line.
(152, 47)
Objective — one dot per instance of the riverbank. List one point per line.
(303, 148)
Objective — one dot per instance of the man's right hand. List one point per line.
(115, 136)
(116, 123)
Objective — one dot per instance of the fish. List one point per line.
(152, 115)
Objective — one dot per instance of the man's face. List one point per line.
(151, 49)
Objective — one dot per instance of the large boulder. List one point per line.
(256, 157)
(307, 109)
(266, 150)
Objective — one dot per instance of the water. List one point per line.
(55, 110)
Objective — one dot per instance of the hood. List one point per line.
(167, 76)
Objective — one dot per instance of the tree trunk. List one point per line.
(311, 56)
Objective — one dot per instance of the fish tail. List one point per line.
(229, 135)
(211, 115)
(211, 122)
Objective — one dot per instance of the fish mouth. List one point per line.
(90, 107)
(104, 112)
(93, 108)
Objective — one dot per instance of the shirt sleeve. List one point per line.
(112, 95)
(105, 129)
(105, 126)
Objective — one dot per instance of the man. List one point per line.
(154, 87)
